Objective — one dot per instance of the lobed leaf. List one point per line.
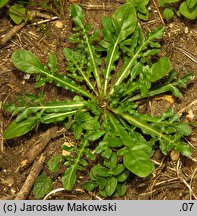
(124, 22)
(27, 62)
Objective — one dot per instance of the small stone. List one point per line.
(59, 24)
(26, 76)
(190, 116)
(13, 191)
(186, 30)
(174, 155)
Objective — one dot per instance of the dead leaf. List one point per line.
(64, 152)
(168, 98)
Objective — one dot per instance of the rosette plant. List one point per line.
(109, 74)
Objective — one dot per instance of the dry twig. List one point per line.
(186, 53)
(160, 16)
(188, 106)
(39, 146)
(35, 171)
(17, 28)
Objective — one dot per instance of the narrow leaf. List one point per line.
(69, 178)
(77, 14)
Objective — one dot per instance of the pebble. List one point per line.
(26, 76)
(13, 191)
(186, 30)
(174, 155)
(59, 24)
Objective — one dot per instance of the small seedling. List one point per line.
(187, 8)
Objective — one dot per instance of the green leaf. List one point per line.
(78, 131)
(95, 135)
(112, 161)
(124, 21)
(52, 62)
(191, 3)
(115, 142)
(168, 13)
(17, 13)
(76, 63)
(98, 170)
(77, 14)
(160, 69)
(111, 185)
(69, 178)
(151, 52)
(166, 146)
(56, 117)
(101, 147)
(165, 2)
(190, 13)
(138, 163)
(123, 176)
(54, 163)
(121, 189)
(42, 186)
(102, 193)
(17, 129)
(118, 169)
(108, 29)
(182, 128)
(102, 182)
(90, 155)
(184, 148)
(89, 186)
(144, 17)
(107, 153)
(124, 72)
(27, 62)
(3, 2)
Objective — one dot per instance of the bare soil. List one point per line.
(174, 177)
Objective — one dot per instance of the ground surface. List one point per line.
(175, 176)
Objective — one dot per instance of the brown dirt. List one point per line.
(171, 178)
